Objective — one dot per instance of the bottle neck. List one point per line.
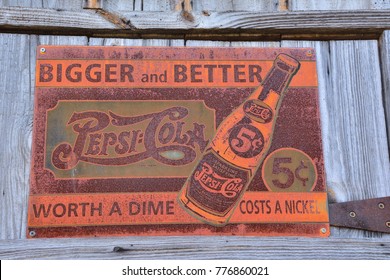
(279, 77)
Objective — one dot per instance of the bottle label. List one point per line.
(258, 111)
(216, 185)
(246, 140)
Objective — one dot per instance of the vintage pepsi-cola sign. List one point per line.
(176, 141)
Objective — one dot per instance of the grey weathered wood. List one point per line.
(16, 88)
(159, 5)
(134, 42)
(63, 40)
(363, 165)
(196, 248)
(138, 5)
(305, 5)
(385, 64)
(118, 5)
(43, 17)
(18, 3)
(192, 43)
(114, 42)
(71, 5)
(16, 104)
(213, 6)
(236, 5)
(313, 24)
(256, 5)
(255, 44)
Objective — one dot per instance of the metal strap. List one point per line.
(369, 214)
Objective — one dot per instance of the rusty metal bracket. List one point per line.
(368, 214)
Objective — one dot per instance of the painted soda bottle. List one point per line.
(238, 148)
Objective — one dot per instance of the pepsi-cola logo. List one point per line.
(258, 111)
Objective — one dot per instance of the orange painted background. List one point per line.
(162, 208)
(125, 73)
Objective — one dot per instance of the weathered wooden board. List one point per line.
(71, 5)
(245, 5)
(305, 5)
(16, 128)
(385, 64)
(16, 88)
(197, 248)
(119, 5)
(314, 24)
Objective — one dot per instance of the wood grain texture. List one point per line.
(159, 5)
(118, 5)
(196, 248)
(62, 40)
(19, 3)
(193, 43)
(249, 44)
(16, 59)
(213, 6)
(134, 42)
(16, 88)
(313, 24)
(358, 151)
(236, 5)
(385, 64)
(70, 5)
(114, 42)
(305, 5)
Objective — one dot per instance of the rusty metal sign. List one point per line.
(176, 141)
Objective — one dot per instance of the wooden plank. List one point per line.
(208, 6)
(305, 5)
(353, 123)
(236, 5)
(114, 42)
(255, 44)
(134, 42)
(313, 24)
(18, 3)
(357, 122)
(385, 63)
(13, 16)
(16, 104)
(63, 40)
(71, 5)
(138, 5)
(118, 5)
(196, 248)
(193, 43)
(256, 5)
(159, 5)
(16, 87)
